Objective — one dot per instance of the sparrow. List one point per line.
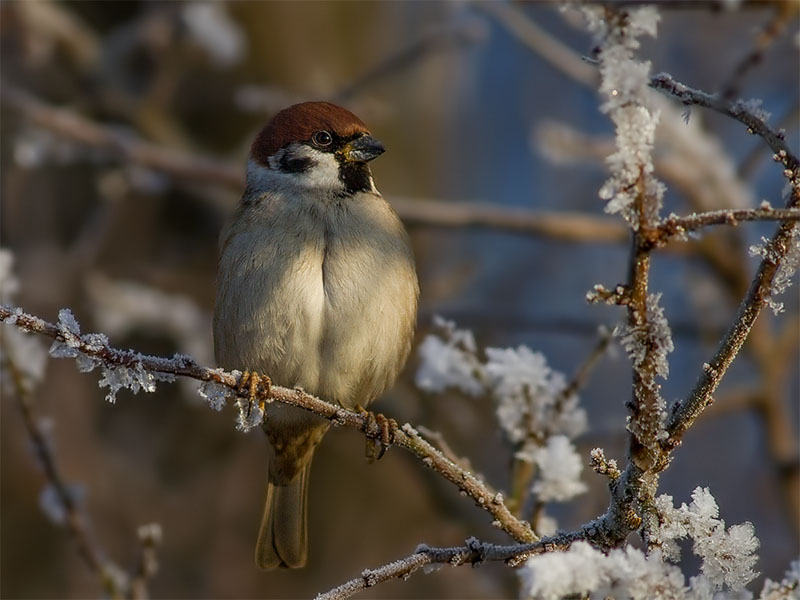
(316, 288)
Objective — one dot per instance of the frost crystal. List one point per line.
(624, 85)
(786, 270)
(449, 361)
(625, 573)
(216, 394)
(656, 337)
(788, 588)
(69, 328)
(560, 466)
(250, 415)
(728, 555)
(529, 395)
(135, 379)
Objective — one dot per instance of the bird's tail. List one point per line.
(283, 536)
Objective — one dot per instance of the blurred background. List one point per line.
(124, 128)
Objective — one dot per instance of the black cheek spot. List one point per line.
(295, 164)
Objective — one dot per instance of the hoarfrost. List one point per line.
(216, 394)
(449, 361)
(656, 336)
(622, 573)
(560, 466)
(786, 589)
(786, 270)
(624, 86)
(728, 555)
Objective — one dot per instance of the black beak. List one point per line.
(363, 149)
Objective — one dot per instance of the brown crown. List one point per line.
(299, 122)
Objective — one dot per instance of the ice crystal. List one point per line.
(449, 361)
(655, 337)
(250, 415)
(786, 589)
(560, 466)
(728, 555)
(622, 573)
(624, 87)
(216, 394)
(529, 395)
(135, 379)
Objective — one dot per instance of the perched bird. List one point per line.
(316, 288)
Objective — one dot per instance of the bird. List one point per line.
(316, 288)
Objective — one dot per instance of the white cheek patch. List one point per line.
(322, 175)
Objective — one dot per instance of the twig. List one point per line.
(406, 437)
(677, 226)
(473, 552)
(686, 412)
(737, 110)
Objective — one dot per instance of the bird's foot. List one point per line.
(380, 432)
(255, 388)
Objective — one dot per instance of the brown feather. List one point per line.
(299, 122)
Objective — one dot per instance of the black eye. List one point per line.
(322, 139)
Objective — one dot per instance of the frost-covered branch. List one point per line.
(781, 256)
(747, 112)
(128, 369)
(675, 225)
(473, 553)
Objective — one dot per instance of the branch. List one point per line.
(96, 347)
(686, 412)
(738, 110)
(674, 225)
(473, 553)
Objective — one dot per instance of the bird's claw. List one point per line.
(380, 431)
(255, 388)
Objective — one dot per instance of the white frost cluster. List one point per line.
(657, 337)
(786, 270)
(52, 505)
(559, 474)
(529, 395)
(623, 84)
(115, 377)
(728, 555)
(212, 28)
(623, 573)
(533, 408)
(788, 588)
(449, 361)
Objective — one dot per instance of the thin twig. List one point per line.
(406, 436)
(677, 226)
(737, 110)
(686, 412)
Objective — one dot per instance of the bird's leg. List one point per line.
(250, 382)
(380, 431)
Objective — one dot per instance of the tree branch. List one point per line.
(473, 553)
(95, 346)
(738, 110)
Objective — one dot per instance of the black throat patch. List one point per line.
(355, 176)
